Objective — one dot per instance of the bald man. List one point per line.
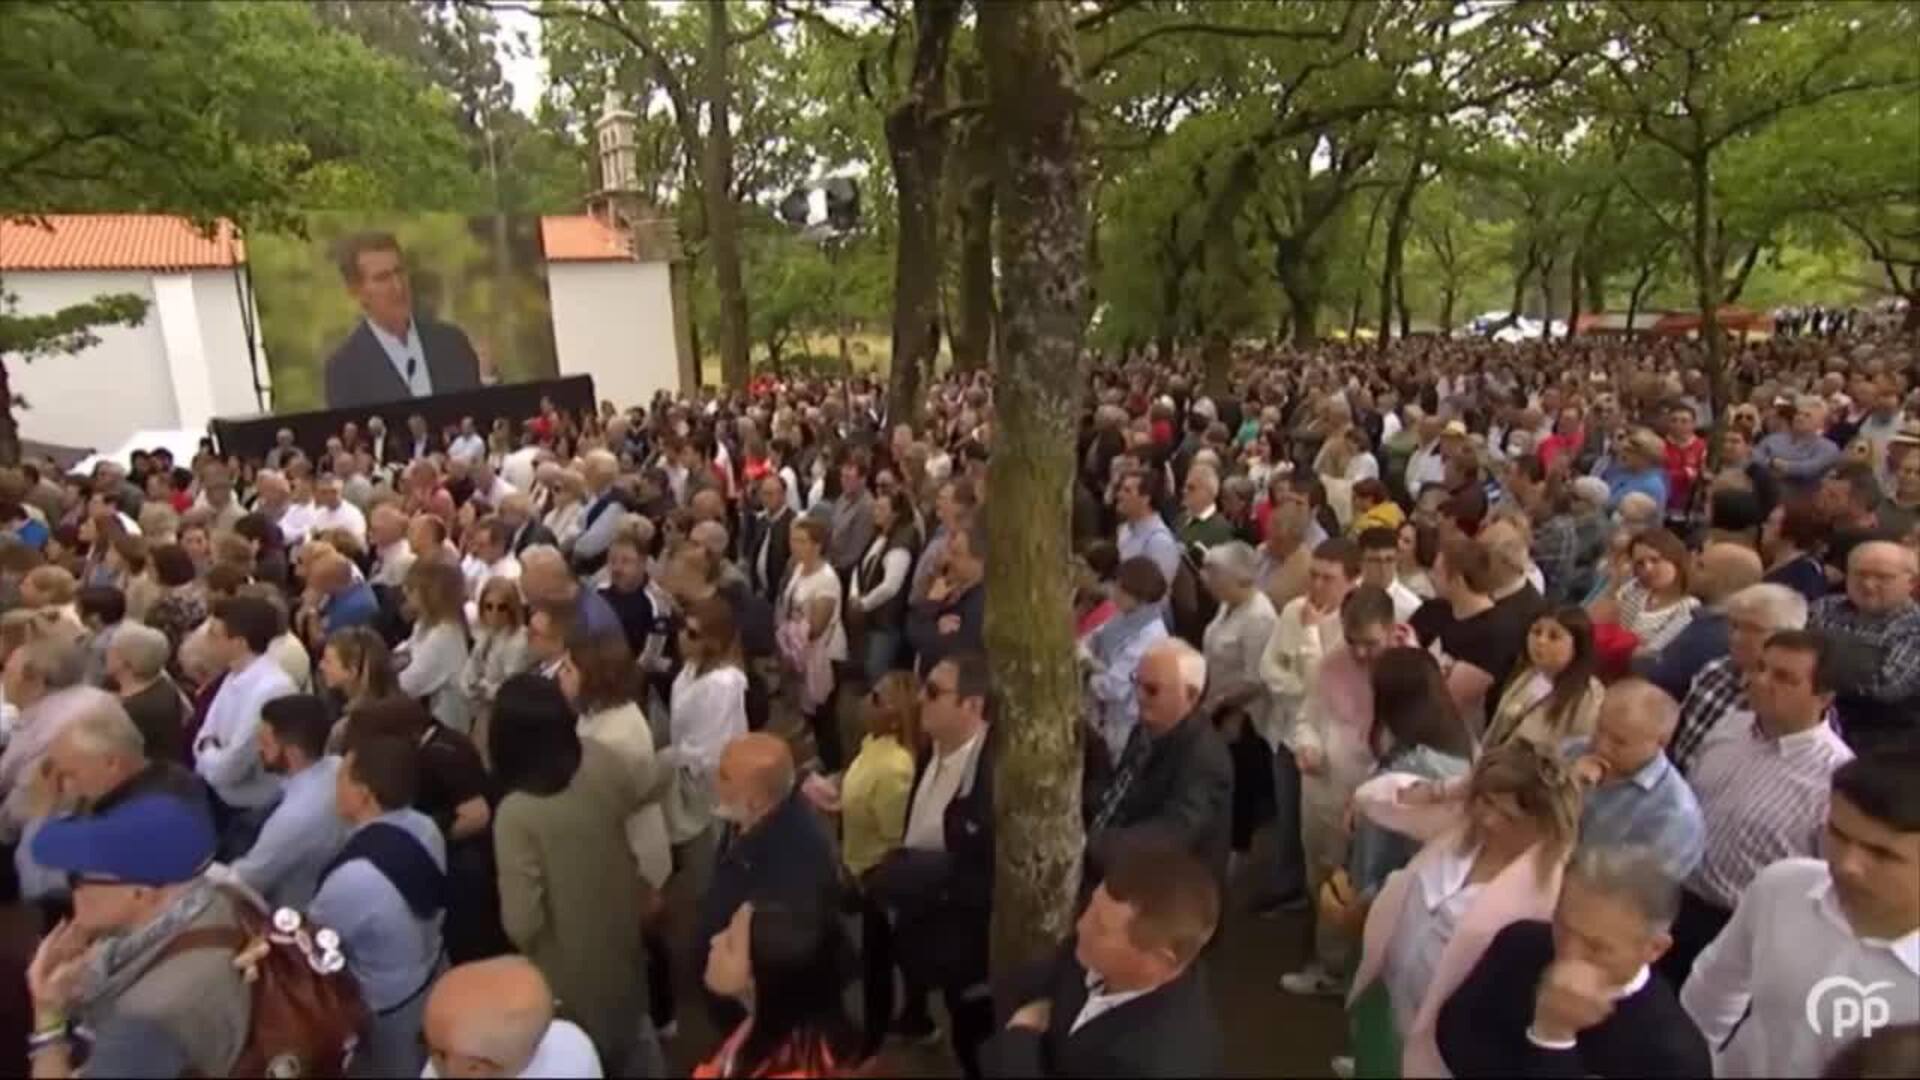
(778, 851)
(1719, 571)
(494, 1019)
(1874, 635)
(1634, 794)
(338, 595)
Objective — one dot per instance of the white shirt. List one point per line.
(295, 522)
(1752, 990)
(390, 568)
(1424, 467)
(564, 1051)
(927, 820)
(1099, 1002)
(803, 590)
(518, 468)
(1405, 600)
(345, 516)
(469, 448)
(1438, 898)
(226, 754)
(408, 357)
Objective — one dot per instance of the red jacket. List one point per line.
(1684, 464)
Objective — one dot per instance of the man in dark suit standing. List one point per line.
(517, 511)
(1126, 997)
(764, 541)
(1578, 996)
(392, 354)
(938, 884)
(1174, 780)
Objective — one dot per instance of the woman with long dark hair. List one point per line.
(569, 886)
(1554, 695)
(781, 964)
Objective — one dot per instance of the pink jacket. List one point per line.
(1515, 894)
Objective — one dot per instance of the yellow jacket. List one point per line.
(873, 802)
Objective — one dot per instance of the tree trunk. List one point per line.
(9, 427)
(1573, 294)
(1395, 256)
(1216, 365)
(1706, 288)
(1741, 274)
(1300, 280)
(970, 326)
(1033, 79)
(971, 332)
(917, 150)
(723, 214)
(1446, 310)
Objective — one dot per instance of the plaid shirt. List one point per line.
(1653, 808)
(1764, 799)
(1878, 661)
(1567, 548)
(1719, 689)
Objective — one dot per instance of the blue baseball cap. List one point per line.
(151, 839)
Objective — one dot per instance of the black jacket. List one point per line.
(1170, 1031)
(923, 626)
(1482, 1029)
(785, 858)
(533, 533)
(773, 535)
(942, 901)
(359, 373)
(1184, 793)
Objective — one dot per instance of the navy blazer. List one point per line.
(943, 900)
(1172, 1030)
(360, 374)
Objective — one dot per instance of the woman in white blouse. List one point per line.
(709, 710)
(876, 603)
(812, 599)
(566, 505)
(434, 659)
(499, 647)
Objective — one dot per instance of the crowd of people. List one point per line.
(1583, 749)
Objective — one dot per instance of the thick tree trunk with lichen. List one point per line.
(723, 213)
(1033, 76)
(917, 149)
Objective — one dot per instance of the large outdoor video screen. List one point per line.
(368, 310)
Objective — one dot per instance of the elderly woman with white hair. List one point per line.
(566, 503)
(1234, 642)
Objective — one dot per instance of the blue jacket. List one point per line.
(356, 606)
(1672, 669)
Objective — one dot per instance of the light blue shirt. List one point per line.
(1654, 808)
(389, 949)
(227, 752)
(399, 352)
(297, 841)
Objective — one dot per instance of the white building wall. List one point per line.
(223, 337)
(98, 397)
(614, 321)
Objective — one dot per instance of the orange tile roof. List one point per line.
(115, 242)
(581, 238)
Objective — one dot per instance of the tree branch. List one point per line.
(1120, 52)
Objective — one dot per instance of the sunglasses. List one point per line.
(495, 606)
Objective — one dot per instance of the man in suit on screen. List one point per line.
(393, 353)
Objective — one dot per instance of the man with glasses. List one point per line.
(938, 884)
(1875, 630)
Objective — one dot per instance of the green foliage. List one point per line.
(244, 111)
(64, 332)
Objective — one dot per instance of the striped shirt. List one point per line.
(1718, 691)
(1764, 799)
